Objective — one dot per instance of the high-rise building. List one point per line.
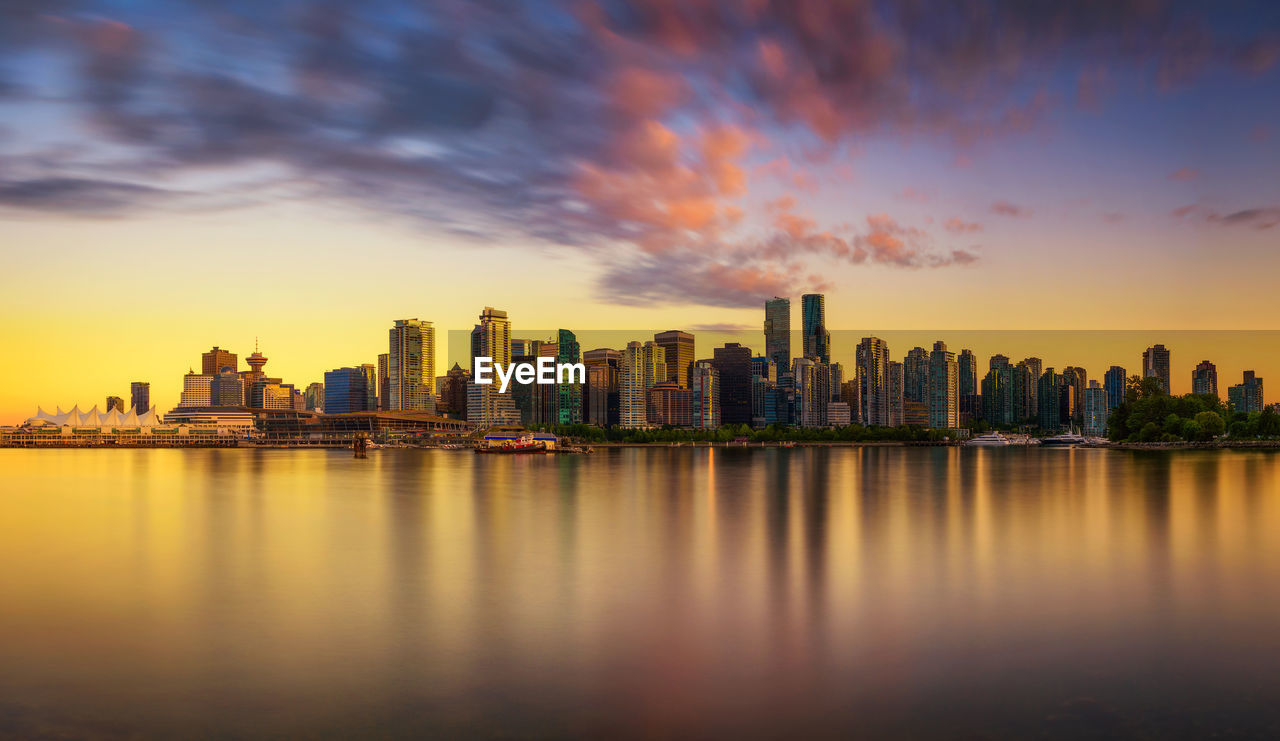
(453, 393)
(525, 347)
(1155, 364)
(897, 400)
(944, 401)
(967, 367)
(1095, 410)
(195, 390)
(812, 391)
(668, 404)
(704, 395)
(839, 414)
(346, 390)
(313, 397)
(384, 381)
(1247, 396)
(873, 381)
(115, 402)
(226, 389)
(678, 347)
(849, 395)
(1204, 379)
(633, 394)
(487, 405)
(733, 362)
(1078, 379)
(1026, 382)
(216, 359)
(813, 314)
(411, 365)
(568, 395)
(603, 378)
(777, 333)
(836, 371)
(140, 395)
(370, 372)
(999, 407)
(763, 374)
(915, 376)
(1114, 383)
(1048, 391)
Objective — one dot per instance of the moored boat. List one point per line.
(989, 440)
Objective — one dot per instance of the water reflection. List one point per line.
(638, 592)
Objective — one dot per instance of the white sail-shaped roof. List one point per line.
(94, 418)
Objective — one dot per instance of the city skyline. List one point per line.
(1055, 349)
(172, 175)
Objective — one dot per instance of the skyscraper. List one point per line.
(115, 402)
(679, 354)
(1095, 410)
(777, 333)
(1026, 381)
(1155, 364)
(195, 390)
(813, 391)
(733, 363)
(1247, 396)
(226, 389)
(453, 393)
(915, 376)
(897, 412)
(346, 390)
(370, 372)
(704, 395)
(603, 371)
(1204, 379)
(668, 404)
(568, 395)
(1114, 383)
(944, 401)
(998, 404)
(967, 367)
(411, 366)
(633, 394)
(384, 381)
(313, 396)
(486, 404)
(216, 359)
(1048, 391)
(873, 383)
(140, 395)
(817, 340)
(1078, 379)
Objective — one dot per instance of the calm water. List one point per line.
(926, 593)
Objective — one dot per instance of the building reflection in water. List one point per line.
(929, 592)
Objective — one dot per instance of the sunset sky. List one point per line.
(179, 175)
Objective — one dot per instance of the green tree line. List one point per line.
(1150, 415)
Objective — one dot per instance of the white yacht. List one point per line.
(1068, 439)
(989, 440)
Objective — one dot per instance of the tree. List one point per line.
(1210, 423)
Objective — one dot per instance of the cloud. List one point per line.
(78, 196)
(628, 130)
(956, 225)
(1005, 208)
(1184, 175)
(1257, 218)
(722, 327)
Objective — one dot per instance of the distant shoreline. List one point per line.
(1218, 445)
